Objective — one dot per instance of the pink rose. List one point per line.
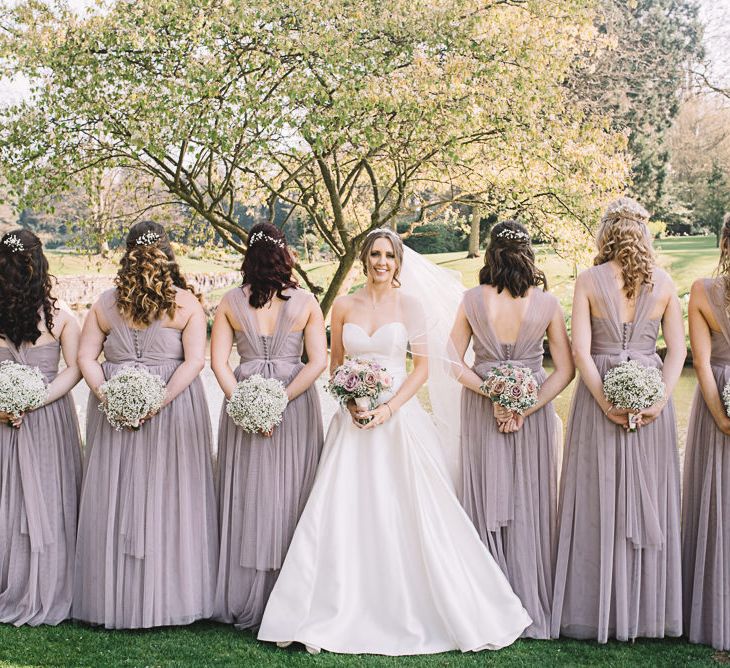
(515, 392)
(351, 382)
(531, 387)
(386, 380)
(497, 386)
(370, 379)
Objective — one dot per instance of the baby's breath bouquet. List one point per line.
(130, 395)
(257, 404)
(513, 387)
(22, 388)
(632, 386)
(726, 397)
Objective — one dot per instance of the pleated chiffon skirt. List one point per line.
(40, 480)
(147, 548)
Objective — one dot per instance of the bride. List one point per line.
(384, 560)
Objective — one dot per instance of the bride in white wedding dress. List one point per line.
(384, 560)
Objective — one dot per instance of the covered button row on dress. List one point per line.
(625, 335)
(137, 348)
(265, 344)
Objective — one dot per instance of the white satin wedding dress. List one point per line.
(384, 560)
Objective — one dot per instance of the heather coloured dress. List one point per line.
(40, 477)
(706, 501)
(147, 547)
(263, 482)
(618, 570)
(510, 480)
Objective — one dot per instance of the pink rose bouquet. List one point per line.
(361, 381)
(513, 387)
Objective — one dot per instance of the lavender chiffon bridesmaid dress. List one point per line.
(263, 482)
(40, 477)
(510, 480)
(147, 547)
(706, 501)
(618, 561)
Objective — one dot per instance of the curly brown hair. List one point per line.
(267, 265)
(623, 236)
(25, 286)
(509, 261)
(148, 275)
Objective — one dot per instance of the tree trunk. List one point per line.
(343, 268)
(476, 218)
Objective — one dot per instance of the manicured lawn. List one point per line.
(208, 644)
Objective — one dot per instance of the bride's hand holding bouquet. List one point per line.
(357, 384)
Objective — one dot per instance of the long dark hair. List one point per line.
(25, 286)
(148, 275)
(267, 266)
(509, 261)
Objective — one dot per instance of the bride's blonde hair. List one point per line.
(623, 236)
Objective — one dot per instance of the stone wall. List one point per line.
(80, 292)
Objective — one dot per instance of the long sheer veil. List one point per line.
(439, 292)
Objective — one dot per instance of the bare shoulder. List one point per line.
(188, 302)
(343, 305)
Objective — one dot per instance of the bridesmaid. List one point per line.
(40, 454)
(147, 539)
(263, 480)
(509, 465)
(706, 509)
(618, 561)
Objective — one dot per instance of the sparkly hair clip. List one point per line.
(147, 239)
(256, 237)
(516, 235)
(14, 243)
(614, 216)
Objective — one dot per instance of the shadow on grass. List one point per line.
(210, 644)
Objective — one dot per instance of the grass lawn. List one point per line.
(208, 644)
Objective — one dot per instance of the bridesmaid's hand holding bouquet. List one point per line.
(257, 404)
(22, 389)
(636, 388)
(512, 390)
(130, 397)
(361, 381)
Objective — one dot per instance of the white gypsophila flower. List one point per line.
(632, 386)
(22, 388)
(257, 404)
(726, 397)
(130, 395)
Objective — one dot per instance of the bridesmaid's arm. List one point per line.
(562, 358)
(65, 381)
(193, 342)
(701, 343)
(90, 345)
(582, 336)
(221, 341)
(460, 336)
(673, 330)
(315, 343)
(337, 348)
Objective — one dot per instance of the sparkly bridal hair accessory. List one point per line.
(260, 236)
(147, 239)
(625, 208)
(14, 243)
(514, 235)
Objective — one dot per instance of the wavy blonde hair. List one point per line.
(623, 236)
(148, 276)
(723, 266)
